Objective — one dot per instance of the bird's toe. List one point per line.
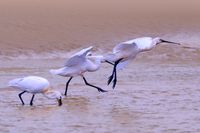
(110, 79)
(101, 90)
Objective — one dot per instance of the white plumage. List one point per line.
(34, 85)
(126, 51)
(78, 64)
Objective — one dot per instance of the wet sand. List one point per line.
(157, 92)
(149, 97)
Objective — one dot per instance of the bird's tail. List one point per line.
(54, 71)
(14, 82)
(61, 71)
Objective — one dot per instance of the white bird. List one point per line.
(124, 52)
(34, 85)
(77, 65)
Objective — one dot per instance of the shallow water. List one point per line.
(149, 97)
(157, 93)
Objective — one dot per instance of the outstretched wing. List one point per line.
(78, 58)
(74, 61)
(83, 52)
(124, 47)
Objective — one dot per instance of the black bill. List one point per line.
(169, 42)
(59, 102)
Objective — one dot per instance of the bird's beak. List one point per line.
(169, 42)
(59, 102)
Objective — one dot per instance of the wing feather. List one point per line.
(83, 52)
(74, 61)
(78, 58)
(124, 47)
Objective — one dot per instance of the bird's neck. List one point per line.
(95, 64)
(149, 45)
(47, 92)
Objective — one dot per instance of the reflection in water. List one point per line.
(77, 104)
(123, 116)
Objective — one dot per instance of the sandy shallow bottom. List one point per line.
(149, 97)
(157, 93)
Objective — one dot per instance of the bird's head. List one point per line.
(51, 94)
(99, 58)
(89, 54)
(158, 40)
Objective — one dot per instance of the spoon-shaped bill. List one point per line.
(169, 42)
(59, 102)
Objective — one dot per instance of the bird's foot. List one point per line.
(101, 90)
(65, 92)
(114, 83)
(110, 79)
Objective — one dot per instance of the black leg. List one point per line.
(115, 79)
(20, 97)
(111, 76)
(31, 103)
(67, 84)
(99, 89)
(111, 63)
(115, 73)
(114, 70)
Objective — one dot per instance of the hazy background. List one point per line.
(50, 25)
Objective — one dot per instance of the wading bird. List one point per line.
(34, 85)
(124, 52)
(77, 65)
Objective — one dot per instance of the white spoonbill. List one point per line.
(34, 85)
(126, 51)
(77, 65)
